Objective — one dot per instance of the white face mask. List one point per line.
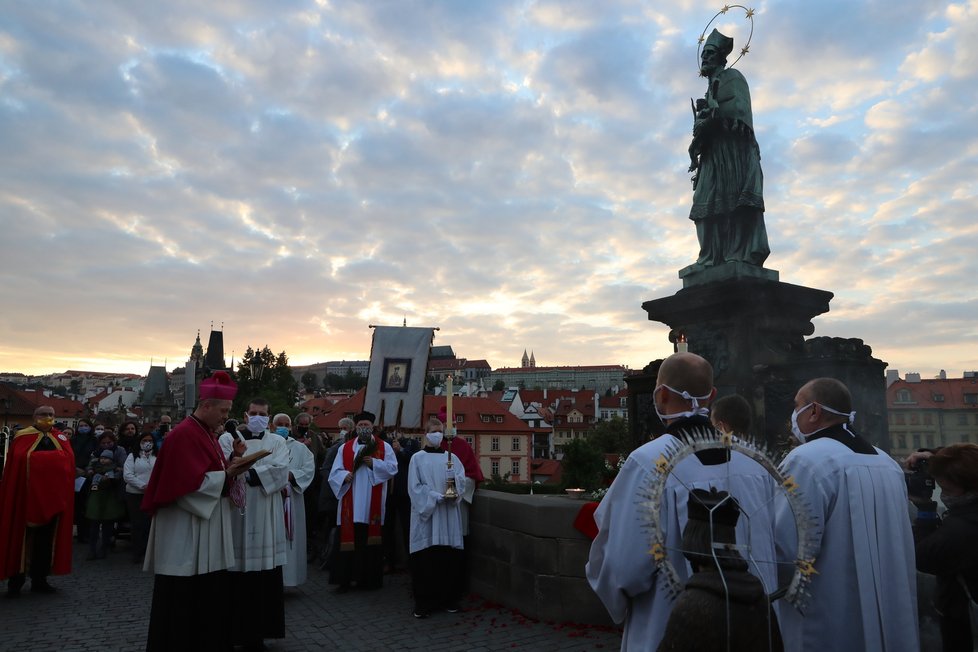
(795, 430)
(146, 446)
(697, 409)
(434, 438)
(257, 423)
(800, 436)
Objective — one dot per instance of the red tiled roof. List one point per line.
(923, 394)
(95, 400)
(321, 404)
(477, 364)
(564, 409)
(63, 407)
(552, 468)
(470, 408)
(19, 406)
(611, 401)
(441, 364)
(347, 407)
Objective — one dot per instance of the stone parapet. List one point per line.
(524, 553)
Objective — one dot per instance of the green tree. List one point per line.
(262, 373)
(498, 386)
(582, 466)
(611, 436)
(74, 387)
(310, 380)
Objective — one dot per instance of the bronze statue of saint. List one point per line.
(728, 189)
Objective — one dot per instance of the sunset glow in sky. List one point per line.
(513, 172)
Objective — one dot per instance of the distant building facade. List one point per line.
(927, 413)
(599, 378)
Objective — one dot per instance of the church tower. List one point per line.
(525, 361)
(533, 360)
(197, 351)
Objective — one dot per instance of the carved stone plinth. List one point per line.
(752, 329)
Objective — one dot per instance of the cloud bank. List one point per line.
(512, 172)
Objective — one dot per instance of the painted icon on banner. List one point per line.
(397, 371)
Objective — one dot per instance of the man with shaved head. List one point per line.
(619, 568)
(863, 593)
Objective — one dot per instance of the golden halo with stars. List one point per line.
(748, 14)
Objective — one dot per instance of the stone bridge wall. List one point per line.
(525, 553)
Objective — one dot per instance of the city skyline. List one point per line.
(513, 173)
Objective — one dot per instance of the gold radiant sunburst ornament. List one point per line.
(807, 528)
(748, 14)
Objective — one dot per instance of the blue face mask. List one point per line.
(282, 430)
(84, 430)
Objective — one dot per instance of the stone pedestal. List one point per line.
(643, 423)
(752, 328)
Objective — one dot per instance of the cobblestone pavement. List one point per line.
(103, 606)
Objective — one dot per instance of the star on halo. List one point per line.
(750, 13)
(744, 50)
(725, 9)
(701, 39)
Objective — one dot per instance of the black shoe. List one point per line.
(342, 588)
(14, 584)
(420, 613)
(453, 608)
(42, 586)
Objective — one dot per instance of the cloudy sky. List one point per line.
(513, 172)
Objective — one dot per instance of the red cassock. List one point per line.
(191, 451)
(38, 487)
(465, 455)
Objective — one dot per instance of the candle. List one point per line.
(681, 345)
(450, 421)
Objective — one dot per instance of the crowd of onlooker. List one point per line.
(112, 469)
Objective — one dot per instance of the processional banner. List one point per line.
(396, 379)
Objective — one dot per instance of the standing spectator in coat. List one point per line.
(105, 504)
(136, 472)
(83, 444)
(946, 548)
(127, 435)
(162, 430)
